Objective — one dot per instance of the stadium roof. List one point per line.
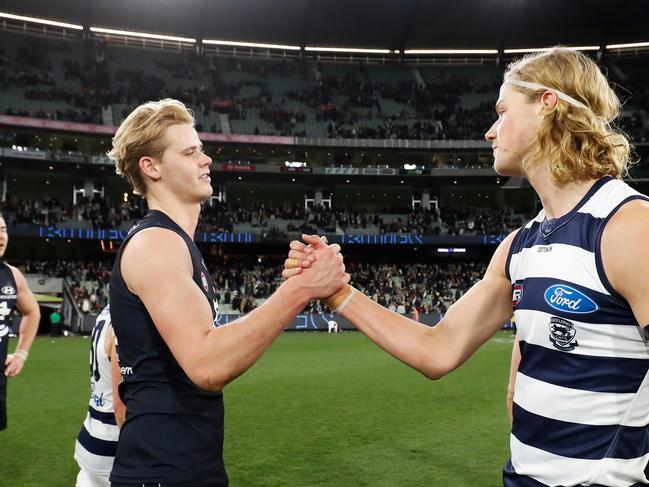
(387, 24)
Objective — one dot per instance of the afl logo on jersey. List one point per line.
(562, 334)
(567, 299)
(8, 290)
(204, 281)
(517, 294)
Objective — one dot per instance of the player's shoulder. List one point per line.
(625, 236)
(624, 247)
(155, 243)
(497, 265)
(154, 255)
(17, 274)
(631, 220)
(505, 246)
(636, 209)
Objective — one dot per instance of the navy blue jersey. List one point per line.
(174, 429)
(582, 387)
(7, 305)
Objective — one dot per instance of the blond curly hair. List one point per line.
(142, 134)
(577, 143)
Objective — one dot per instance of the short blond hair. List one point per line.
(577, 143)
(142, 134)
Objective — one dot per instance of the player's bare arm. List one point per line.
(625, 256)
(212, 357)
(434, 351)
(28, 307)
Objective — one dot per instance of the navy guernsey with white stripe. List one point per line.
(174, 430)
(96, 443)
(8, 296)
(581, 401)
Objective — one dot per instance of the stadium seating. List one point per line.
(76, 80)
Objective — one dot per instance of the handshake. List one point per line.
(321, 269)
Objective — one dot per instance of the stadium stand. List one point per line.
(91, 81)
(244, 283)
(262, 217)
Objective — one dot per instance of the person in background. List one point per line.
(14, 295)
(96, 444)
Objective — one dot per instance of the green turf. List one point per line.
(317, 410)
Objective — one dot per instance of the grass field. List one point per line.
(317, 410)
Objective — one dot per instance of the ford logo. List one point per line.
(567, 299)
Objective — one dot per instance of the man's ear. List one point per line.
(549, 99)
(149, 167)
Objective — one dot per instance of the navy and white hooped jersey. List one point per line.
(8, 295)
(97, 441)
(174, 429)
(581, 400)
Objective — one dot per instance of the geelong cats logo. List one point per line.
(562, 334)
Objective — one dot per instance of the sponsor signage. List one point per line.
(238, 167)
(296, 169)
(569, 300)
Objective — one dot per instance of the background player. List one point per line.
(96, 444)
(14, 294)
(579, 273)
(174, 361)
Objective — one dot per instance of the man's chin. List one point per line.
(503, 170)
(205, 197)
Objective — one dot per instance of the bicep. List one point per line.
(479, 313)
(485, 308)
(161, 276)
(180, 312)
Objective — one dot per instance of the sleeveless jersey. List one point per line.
(174, 429)
(96, 444)
(581, 400)
(7, 305)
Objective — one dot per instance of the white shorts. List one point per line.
(92, 479)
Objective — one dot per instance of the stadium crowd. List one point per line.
(352, 104)
(274, 220)
(244, 282)
(87, 281)
(52, 211)
(297, 219)
(430, 288)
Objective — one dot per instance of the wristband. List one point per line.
(22, 354)
(338, 301)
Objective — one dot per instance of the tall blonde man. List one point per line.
(173, 360)
(576, 277)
